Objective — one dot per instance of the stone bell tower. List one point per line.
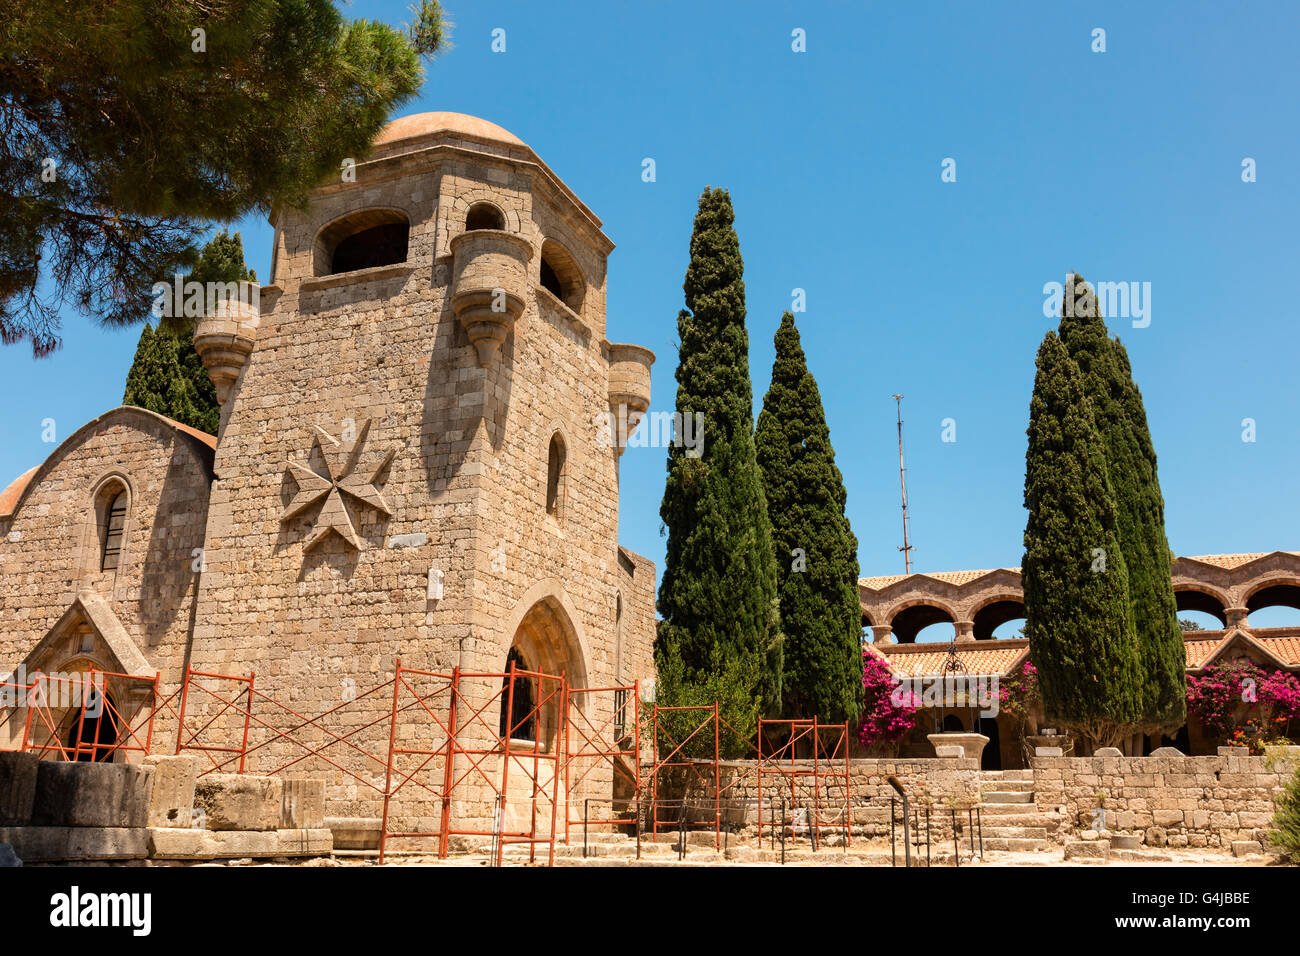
(411, 462)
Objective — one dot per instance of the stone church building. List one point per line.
(409, 463)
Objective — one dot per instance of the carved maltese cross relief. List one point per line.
(339, 483)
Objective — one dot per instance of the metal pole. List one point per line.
(555, 773)
(717, 782)
(902, 484)
(180, 723)
(636, 756)
(586, 809)
(927, 837)
(565, 711)
(979, 820)
(248, 715)
(496, 831)
(654, 768)
(505, 755)
(388, 776)
(956, 850)
(153, 712)
(893, 853)
(449, 762)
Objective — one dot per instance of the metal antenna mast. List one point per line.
(902, 481)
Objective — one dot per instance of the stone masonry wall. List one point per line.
(1173, 801)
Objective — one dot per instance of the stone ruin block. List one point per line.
(17, 787)
(302, 805)
(355, 833)
(231, 801)
(113, 795)
(172, 804)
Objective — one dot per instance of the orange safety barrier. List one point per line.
(83, 736)
(590, 742)
(549, 730)
(525, 751)
(707, 733)
(427, 699)
(806, 785)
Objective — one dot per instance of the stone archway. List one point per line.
(543, 635)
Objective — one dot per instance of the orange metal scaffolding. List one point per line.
(591, 741)
(815, 786)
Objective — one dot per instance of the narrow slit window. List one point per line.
(555, 461)
(115, 522)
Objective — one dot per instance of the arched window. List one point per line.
(518, 722)
(362, 240)
(112, 524)
(484, 215)
(561, 276)
(555, 475)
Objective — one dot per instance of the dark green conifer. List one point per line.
(190, 398)
(718, 594)
(156, 381)
(1121, 421)
(816, 550)
(1078, 618)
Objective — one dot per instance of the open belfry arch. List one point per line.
(408, 467)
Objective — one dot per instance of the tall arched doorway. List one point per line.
(545, 642)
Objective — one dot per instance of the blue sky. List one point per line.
(1124, 165)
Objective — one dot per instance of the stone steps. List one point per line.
(1026, 832)
(1007, 796)
(1010, 819)
(989, 810)
(1022, 775)
(1018, 844)
(1007, 786)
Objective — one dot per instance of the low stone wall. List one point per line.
(938, 783)
(1170, 800)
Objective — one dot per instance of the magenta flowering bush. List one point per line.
(1018, 693)
(1240, 702)
(888, 711)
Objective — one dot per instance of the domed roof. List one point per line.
(425, 124)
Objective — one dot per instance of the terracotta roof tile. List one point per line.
(990, 657)
(209, 440)
(1230, 561)
(9, 497)
(1284, 648)
(1200, 647)
(949, 577)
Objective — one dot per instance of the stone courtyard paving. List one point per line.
(872, 853)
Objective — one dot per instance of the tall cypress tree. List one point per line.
(816, 550)
(193, 399)
(718, 596)
(1131, 464)
(156, 380)
(1078, 618)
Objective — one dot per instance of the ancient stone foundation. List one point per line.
(55, 811)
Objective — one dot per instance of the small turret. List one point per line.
(224, 342)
